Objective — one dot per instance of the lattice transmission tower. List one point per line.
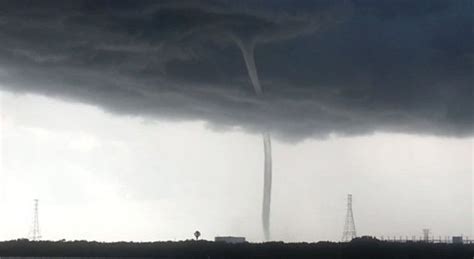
(349, 232)
(35, 229)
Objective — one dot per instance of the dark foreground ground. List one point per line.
(211, 250)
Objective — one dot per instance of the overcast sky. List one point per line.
(107, 177)
(143, 120)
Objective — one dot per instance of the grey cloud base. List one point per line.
(350, 68)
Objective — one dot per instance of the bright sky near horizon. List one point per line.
(101, 176)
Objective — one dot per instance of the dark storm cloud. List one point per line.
(351, 68)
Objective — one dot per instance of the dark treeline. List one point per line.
(359, 248)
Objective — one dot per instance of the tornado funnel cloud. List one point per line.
(247, 48)
(267, 185)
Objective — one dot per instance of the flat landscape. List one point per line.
(358, 248)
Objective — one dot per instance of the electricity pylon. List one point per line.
(349, 226)
(35, 229)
